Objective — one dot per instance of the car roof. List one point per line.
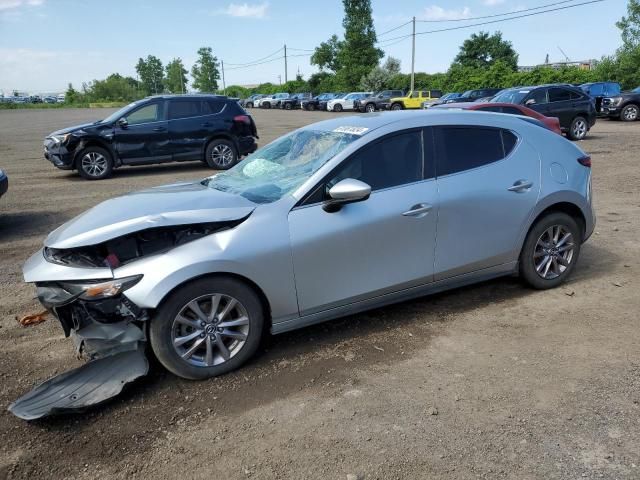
(372, 121)
(187, 95)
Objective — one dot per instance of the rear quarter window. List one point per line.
(461, 148)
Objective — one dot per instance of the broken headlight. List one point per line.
(61, 293)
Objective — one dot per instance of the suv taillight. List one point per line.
(585, 160)
(242, 119)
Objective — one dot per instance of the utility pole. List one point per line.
(224, 86)
(285, 63)
(413, 53)
(279, 79)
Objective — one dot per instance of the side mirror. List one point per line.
(122, 123)
(529, 102)
(346, 191)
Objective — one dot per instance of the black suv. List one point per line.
(374, 102)
(165, 128)
(574, 108)
(473, 95)
(295, 101)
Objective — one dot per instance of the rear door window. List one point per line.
(460, 148)
(539, 96)
(559, 95)
(184, 109)
(210, 107)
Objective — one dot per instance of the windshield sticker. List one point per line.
(352, 130)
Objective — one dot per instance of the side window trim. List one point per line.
(313, 191)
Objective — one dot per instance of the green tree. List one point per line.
(176, 76)
(483, 50)
(71, 95)
(358, 54)
(392, 65)
(114, 88)
(630, 25)
(321, 82)
(205, 72)
(151, 74)
(325, 56)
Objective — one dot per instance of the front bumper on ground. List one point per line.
(58, 154)
(111, 333)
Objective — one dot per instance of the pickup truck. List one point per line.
(625, 106)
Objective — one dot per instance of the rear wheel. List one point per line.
(630, 113)
(396, 106)
(221, 154)
(370, 108)
(311, 107)
(206, 328)
(249, 105)
(578, 129)
(550, 251)
(95, 163)
(266, 105)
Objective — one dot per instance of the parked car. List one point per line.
(159, 129)
(625, 106)
(378, 101)
(314, 102)
(439, 101)
(294, 101)
(574, 108)
(600, 90)
(413, 99)
(473, 95)
(61, 97)
(4, 182)
(35, 99)
(324, 103)
(50, 99)
(346, 102)
(250, 101)
(325, 202)
(271, 101)
(552, 123)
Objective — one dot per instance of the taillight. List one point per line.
(585, 160)
(242, 119)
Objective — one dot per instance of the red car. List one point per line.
(552, 123)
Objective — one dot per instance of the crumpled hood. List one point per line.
(176, 204)
(74, 128)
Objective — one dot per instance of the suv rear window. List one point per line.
(463, 148)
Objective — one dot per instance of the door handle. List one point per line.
(521, 186)
(419, 210)
(159, 129)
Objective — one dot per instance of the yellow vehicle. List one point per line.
(414, 99)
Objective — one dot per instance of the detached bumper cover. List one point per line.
(58, 154)
(83, 387)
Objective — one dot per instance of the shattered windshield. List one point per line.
(282, 166)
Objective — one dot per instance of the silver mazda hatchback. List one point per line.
(335, 218)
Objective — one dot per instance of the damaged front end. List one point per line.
(108, 329)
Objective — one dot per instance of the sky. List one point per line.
(45, 44)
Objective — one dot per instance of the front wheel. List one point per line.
(550, 251)
(630, 113)
(311, 107)
(396, 106)
(221, 154)
(337, 107)
(206, 328)
(95, 163)
(578, 129)
(370, 108)
(249, 105)
(287, 106)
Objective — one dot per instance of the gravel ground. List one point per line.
(490, 381)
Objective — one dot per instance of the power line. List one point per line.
(394, 28)
(401, 39)
(301, 49)
(501, 19)
(254, 64)
(497, 14)
(255, 61)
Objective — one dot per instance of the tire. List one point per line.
(221, 154)
(266, 105)
(240, 338)
(578, 129)
(337, 107)
(94, 163)
(287, 106)
(370, 107)
(311, 107)
(249, 105)
(396, 106)
(630, 113)
(533, 258)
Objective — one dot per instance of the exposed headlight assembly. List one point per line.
(615, 101)
(61, 139)
(56, 294)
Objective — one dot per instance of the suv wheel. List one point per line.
(578, 129)
(266, 105)
(370, 107)
(94, 163)
(337, 107)
(311, 107)
(550, 251)
(221, 154)
(630, 113)
(206, 328)
(287, 106)
(249, 105)
(396, 106)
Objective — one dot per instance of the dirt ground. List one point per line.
(489, 381)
